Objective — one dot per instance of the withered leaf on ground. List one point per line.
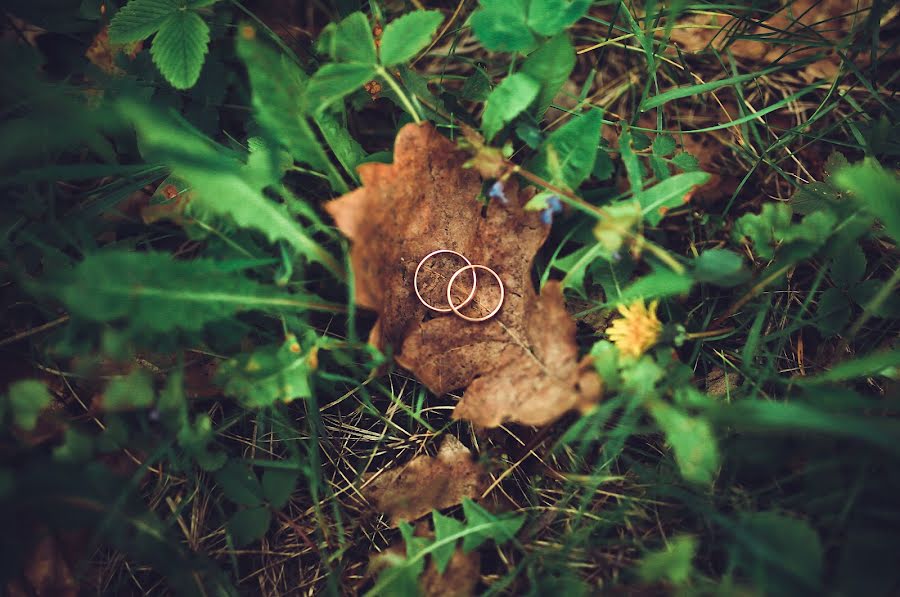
(412, 490)
(522, 365)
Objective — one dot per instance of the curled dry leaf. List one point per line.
(414, 489)
(522, 365)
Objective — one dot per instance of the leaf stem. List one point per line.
(389, 79)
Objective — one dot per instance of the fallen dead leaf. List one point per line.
(522, 365)
(414, 489)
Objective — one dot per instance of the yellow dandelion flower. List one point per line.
(637, 330)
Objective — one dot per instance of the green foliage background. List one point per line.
(162, 219)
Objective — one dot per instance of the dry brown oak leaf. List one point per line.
(521, 366)
(412, 490)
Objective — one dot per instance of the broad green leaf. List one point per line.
(277, 372)
(720, 267)
(247, 526)
(674, 563)
(139, 19)
(833, 311)
(239, 484)
(782, 555)
(501, 528)
(567, 156)
(500, 26)
(663, 145)
(877, 189)
(156, 293)
(507, 100)
(639, 379)
(660, 283)
(865, 294)
(278, 89)
(848, 265)
(773, 227)
(630, 160)
(350, 40)
(692, 440)
(549, 17)
(444, 526)
(219, 181)
(179, 48)
(403, 38)
(130, 392)
(278, 485)
(671, 192)
(333, 82)
(27, 398)
(76, 447)
(550, 65)
(196, 439)
(685, 162)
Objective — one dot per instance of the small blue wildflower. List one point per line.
(554, 204)
(497, 193)
(547, 216)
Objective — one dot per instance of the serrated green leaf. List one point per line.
(278, 87)
(674, 563)
(685, 162)
(568, 155)
(832, 311)
(333, 82)
(403, 38)
(239, 484)
(668, 194)
(549, 17)
(219, 181)
(720, 267)
(773, 227)
(196, 439)
(155, 293)
(550, 65)
(877, 189)
(130, 392)
(660, 283)
(278, 372)
(349, 40)
(507, 101)
(247, 526)
(179, 48)
(500, 26)
(26, 399)
(444, 526)
(761, 552)
(139, 19)
(278, 485)
(663, 145)
(692, 440)
(501, 528)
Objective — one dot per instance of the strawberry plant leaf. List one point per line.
(278, 485)
(550, 65)
(247, 526)
(403, 38)
(239, 484)
(500, 26)
(500, 528)
(549, 17)
(877, 189)
(26, 399)
(507, 101)
(130, 392)
(139, 19)
(349, 40)
(568, 155)
(179, 48)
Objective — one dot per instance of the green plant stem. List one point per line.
(382, 72)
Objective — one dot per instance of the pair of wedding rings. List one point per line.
(455, 308)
